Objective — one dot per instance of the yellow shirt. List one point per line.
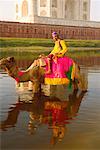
(60, 48)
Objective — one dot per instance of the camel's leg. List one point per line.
(17, 84)
(30, 86)
(20, 85)
(80, 79)
(75, 85)
(35, 63)
(36, 87)
(46, 89)
(83, 84)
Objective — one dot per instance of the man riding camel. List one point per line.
(59, 50)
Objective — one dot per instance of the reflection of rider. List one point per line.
(59, 50)
(59, 117)
(58, 113)
(56, 116)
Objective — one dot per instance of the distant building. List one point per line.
(39, 18)
(27, 10)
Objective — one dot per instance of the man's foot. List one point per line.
(48, 72)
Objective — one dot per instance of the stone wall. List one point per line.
(34, 30)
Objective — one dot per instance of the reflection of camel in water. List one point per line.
(46, 110)
(36, 73)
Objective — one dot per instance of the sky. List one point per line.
(7, 10)
(95, 10)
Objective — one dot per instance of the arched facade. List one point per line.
(66, 9)
(43, 3)
(54, 3)
(24, 8)
(54, 14)
(43, 13)
(70, 9)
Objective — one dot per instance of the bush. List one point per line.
(29, 42)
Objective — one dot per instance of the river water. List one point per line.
(59, 120)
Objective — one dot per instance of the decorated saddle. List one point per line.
(62, 71)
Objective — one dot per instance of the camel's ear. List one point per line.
(11, 59)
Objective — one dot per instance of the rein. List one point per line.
(17, 75)
(20, 73)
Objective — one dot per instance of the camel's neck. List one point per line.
(14, 72)
(32, 73)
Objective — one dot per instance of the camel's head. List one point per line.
(7, 62)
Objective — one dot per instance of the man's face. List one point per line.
(54, 38)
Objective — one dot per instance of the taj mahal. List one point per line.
(27, 10)
(38, 18)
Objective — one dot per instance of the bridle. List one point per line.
(14, 72)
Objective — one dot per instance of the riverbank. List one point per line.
(16, 47)
(32, 42)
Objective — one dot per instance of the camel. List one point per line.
(36, 73)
